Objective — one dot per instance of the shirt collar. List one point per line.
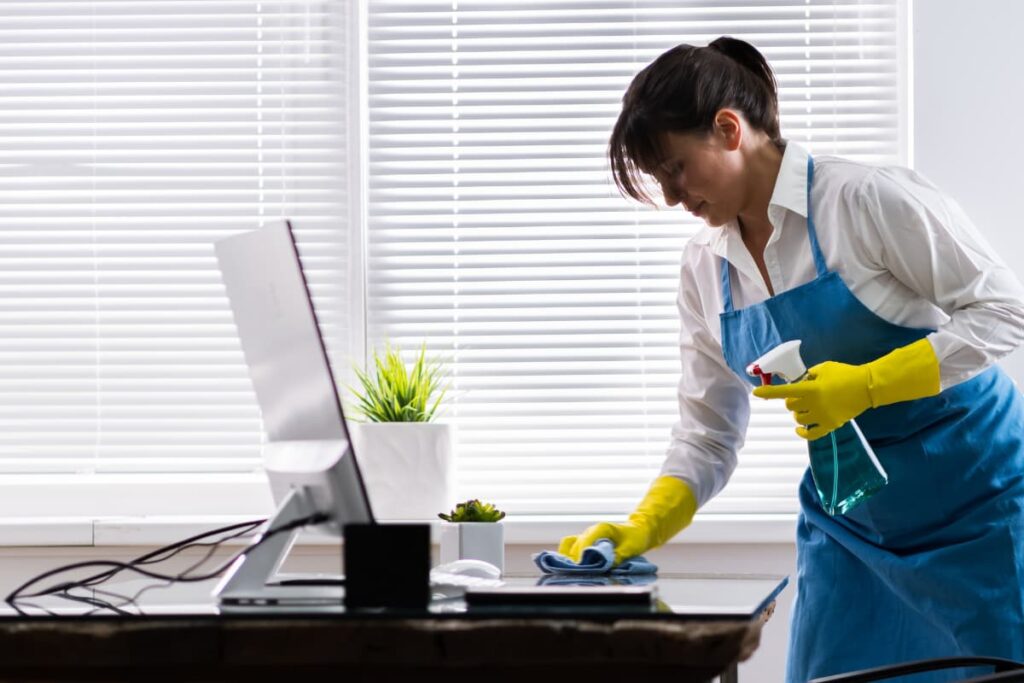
(790, 193)
(791, 184)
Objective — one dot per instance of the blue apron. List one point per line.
(933, 565)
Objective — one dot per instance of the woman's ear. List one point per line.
(729, 128)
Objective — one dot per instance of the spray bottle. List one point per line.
(845, 469)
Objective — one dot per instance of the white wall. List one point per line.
(968, 102)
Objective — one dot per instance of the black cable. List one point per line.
(25, 603)
(97, 603)
(117, 567)
(148, 558)
(133, 600)
(122, 566)
(193, 541)
(173, 550)
(152, 557)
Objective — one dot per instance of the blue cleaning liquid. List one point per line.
(846, 471)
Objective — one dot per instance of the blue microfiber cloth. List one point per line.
(597, 559)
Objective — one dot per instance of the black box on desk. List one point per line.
(387, 565)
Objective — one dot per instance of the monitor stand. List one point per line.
(253, 579)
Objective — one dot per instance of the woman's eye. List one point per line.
(665, 171)
(673, 168)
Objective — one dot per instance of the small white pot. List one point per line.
(473, 541)
(407, 467)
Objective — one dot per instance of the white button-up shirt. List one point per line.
(905, 250)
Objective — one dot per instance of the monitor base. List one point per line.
(253, 580)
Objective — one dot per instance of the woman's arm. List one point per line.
(714, 404)
(929, 245)
(713, 412)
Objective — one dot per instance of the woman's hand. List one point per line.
(667, 508)
(832, 395)
(629, 540)
(835, 393)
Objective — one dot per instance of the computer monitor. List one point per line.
(308, 455)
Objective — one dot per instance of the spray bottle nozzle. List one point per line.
(784, 360)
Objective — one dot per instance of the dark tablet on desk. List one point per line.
(510, 595)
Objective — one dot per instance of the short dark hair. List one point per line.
(680, 92)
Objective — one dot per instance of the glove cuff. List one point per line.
(907, 373)
(666, 509)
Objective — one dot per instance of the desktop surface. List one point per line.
(677, 597)
(700, 628)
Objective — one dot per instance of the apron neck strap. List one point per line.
(726, 287)
(812, 235)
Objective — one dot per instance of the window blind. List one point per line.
(495, 234)
(132, 135)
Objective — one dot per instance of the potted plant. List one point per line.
(406, 458)
(474, 531)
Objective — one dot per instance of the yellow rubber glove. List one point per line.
(666, 510)
(835, 393)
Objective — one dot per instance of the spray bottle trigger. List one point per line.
(755, 370)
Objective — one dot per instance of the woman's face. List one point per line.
(704, 174)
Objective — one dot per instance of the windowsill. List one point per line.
(106, 510)
(522, 530)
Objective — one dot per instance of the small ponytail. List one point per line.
(680, 92)
(747, 56)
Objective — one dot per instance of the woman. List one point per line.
(902, 309)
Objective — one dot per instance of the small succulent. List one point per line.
(473, 511)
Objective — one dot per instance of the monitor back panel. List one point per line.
(280, 337)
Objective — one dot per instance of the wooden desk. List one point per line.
(192, 642)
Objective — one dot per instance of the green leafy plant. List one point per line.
(395, 394)
(473, 511)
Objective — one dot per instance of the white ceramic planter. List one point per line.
(473, 541)
(407, 467)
